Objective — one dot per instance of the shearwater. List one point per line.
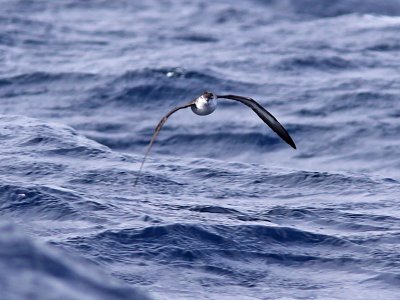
(207, 103)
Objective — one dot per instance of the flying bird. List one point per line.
(207, 103)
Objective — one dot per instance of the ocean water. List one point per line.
(224, 209)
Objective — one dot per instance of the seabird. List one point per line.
(207, 103)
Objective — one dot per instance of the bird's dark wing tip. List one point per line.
(290, 141)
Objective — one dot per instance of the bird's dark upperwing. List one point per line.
(156, 132)
(269, 119)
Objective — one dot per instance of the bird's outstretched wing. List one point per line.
(156, 132)
(267, 117)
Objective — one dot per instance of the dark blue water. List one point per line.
(224, 209)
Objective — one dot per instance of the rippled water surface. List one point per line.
(224, 209)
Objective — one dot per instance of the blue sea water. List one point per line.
(224, 209)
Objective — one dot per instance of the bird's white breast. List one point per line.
(204, 106)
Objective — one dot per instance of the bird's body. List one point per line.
(206, 104)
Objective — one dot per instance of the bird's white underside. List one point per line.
(204, 106)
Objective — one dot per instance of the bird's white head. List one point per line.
(205, 104)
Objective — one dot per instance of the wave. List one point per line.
(192, 236)
(384, 46)
(45, 78)
(47, 273)
(29, 134)
(391, 278)
(341, 221)
(319, 63)
(37, 86)
(197, 38)
(158, 87)
(34, 201)
(227, 235)
(328, 8)
(213, 248)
